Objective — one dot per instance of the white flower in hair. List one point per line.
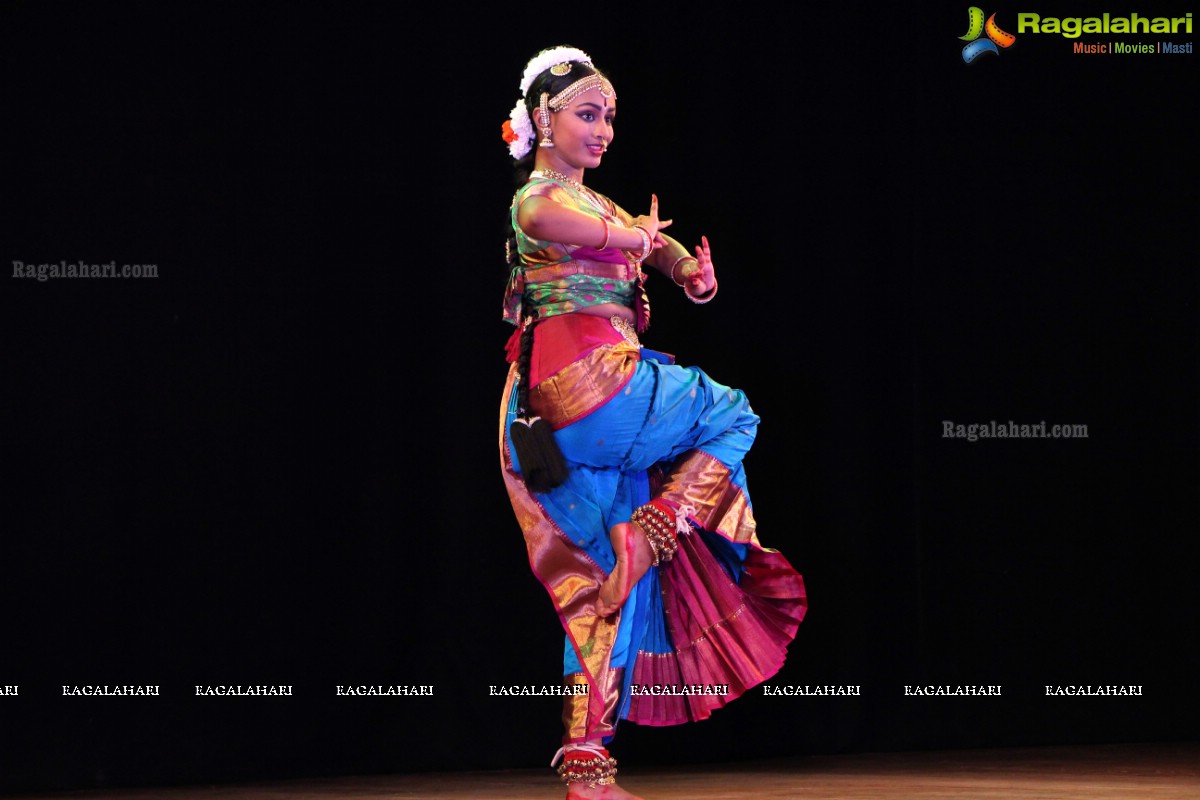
(522, 125)
(547, 59)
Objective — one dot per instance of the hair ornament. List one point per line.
(547, 59)
(518, 131)
(558, 70)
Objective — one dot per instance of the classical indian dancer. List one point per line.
(624, 469)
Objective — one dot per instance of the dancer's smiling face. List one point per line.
(584, 129)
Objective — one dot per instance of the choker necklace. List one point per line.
(555, 175)
(588, 195)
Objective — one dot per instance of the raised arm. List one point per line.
(548, 220)
(694, 274)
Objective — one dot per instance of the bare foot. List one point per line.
(634, 557)
(581, 791)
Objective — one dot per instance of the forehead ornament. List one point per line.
(584, 84)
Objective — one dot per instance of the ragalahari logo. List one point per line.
(976, 27)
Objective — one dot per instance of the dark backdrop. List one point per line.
(275, 463)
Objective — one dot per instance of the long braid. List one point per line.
(525, 354)
(523, 363)
(541, 460)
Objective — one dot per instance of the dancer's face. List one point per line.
(583, 130)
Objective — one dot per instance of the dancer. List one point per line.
(625, 470)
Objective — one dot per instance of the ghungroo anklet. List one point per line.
(662, 527)
(587, 763)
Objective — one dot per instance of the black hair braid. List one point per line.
(522, 167)
(523, 363)
(543, 466)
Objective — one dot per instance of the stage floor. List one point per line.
(1103, 772)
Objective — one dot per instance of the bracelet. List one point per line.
(683, 257)
(607, 234)
(704, 298)
(647, 243)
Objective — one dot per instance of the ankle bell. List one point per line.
(662, 526)
(589, 764)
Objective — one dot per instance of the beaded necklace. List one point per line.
(555, 175)
(585, 192)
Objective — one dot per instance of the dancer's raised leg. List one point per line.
(634, 557)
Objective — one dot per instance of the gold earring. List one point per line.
(545, 110)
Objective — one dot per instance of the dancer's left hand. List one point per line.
(700, 279)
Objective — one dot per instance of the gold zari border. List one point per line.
(702, 482)
(584, 385)
(573, 581)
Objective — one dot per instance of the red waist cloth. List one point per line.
(562, 340)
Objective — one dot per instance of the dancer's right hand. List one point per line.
(651, 223)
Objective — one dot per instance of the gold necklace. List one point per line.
(587, 193)
(555, 175)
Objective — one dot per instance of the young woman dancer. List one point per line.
(625, 470)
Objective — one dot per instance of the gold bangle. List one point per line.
(703, 298)
(607, 234)
(647, 243)
(683, 257)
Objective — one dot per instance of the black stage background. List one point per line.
(275, 463)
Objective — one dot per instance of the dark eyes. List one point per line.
(588, 116)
